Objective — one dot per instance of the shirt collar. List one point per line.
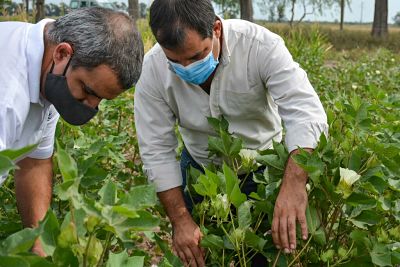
(226, 54)
(35, 52)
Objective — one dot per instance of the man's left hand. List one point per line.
(290, 207)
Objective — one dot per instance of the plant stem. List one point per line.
(87, 249)
(277, 258)
(301, 251)
(107, 244)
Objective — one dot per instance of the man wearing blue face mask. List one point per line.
(58, 68)
(202, 67)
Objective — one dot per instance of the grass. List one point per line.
(354, 36)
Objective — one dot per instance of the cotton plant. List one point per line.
(347, 179)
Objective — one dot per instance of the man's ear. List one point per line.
(62, 52)
(217, 28)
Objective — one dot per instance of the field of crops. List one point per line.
(105, 214)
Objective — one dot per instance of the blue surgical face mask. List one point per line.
(197, 72)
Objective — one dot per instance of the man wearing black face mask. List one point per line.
(63, 67)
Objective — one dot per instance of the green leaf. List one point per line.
(380, 255)
(67, 236)
(51, 230)
(366, 218)
(139, 197)
(235, 147)
(212, 242)
(15, 154)
(65, 257)
(6, 165)
(360, 199)
(231, 179)
(36, 261)
(174, 260)
(254, 241)
(320, 237)
(21, 241)
(108, 193)
(237, 197)
(244, 215)
(206, 186)
(13, 261)
(271, 160)
(66, 164)
(313, 221)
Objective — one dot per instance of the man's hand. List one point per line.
(37, 249)
(186, 242)
(290, 207)
(33, 186)
(186, 233)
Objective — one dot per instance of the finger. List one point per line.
(275, 232)
(292, 232)
(301, 218)
(182, 257)
(283, 234)
(196, 251)
(190, 259)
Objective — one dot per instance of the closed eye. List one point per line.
(89, 91)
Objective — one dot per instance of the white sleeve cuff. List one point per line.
(305, 135)
(164, 176)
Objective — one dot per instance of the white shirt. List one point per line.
(256, 85)
(25, 117)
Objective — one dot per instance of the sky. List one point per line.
(352, 14)
(360, 10)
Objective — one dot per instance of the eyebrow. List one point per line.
(191, 58)
(90, 91)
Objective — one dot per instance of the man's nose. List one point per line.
(92, 101)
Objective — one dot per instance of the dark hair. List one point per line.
(101, 36)
(169, 19)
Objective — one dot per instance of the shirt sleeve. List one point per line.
(298, 104)
(155, 127)
(45, 147)
(9, 126)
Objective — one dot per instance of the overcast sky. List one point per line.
(359, 9)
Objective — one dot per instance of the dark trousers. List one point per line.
(248, 187)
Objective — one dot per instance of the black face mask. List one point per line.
(57, 92)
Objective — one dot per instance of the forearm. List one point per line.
(294, 174)
(33, 186)
(174, 204)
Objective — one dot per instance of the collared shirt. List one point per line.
(256, 86)
(25, 117)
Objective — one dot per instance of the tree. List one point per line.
(380, 24)
(133, 9)
(143, 10)
(397, 19)
(246, 10)
(229, 8)
(342, 4)
(39, 10)
(3, 5)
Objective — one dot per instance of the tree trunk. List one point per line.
(133, 9)
(380, 25)
(342, 5)
(246, 10)
(27, 8)
(39, 10)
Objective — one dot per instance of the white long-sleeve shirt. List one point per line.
(25, 117)
(256, 86)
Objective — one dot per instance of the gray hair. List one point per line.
(102, 36)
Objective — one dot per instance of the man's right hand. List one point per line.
(186, 233)
(186, 242)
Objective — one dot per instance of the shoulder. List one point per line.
(238, 29)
